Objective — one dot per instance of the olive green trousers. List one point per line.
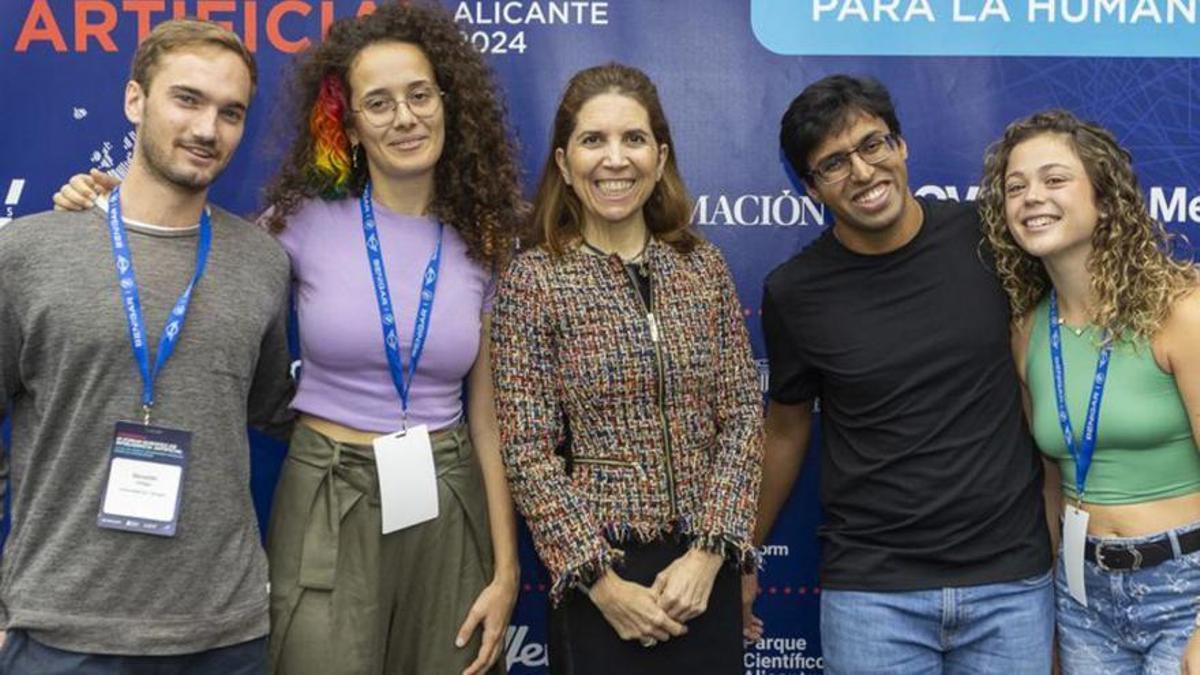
(348, 600)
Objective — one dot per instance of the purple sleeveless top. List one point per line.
(345, 375)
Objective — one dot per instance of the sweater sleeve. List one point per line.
(272, 388)
(10, 348)
(525, 366)
(731, 495)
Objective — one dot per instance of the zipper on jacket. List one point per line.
(655, 339)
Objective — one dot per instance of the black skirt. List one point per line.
(582, 642)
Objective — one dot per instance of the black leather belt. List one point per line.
(1114, 557)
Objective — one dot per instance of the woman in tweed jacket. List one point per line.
(627, 397)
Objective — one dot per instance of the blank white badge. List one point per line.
(1075, 524)
(407, 478)
(139, 489)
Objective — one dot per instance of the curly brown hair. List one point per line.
(557, 211)
(1134, 277)
(476, 178)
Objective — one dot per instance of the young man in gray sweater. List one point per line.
(134, 543)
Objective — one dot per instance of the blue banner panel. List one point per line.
(1148, 28)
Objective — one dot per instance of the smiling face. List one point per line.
(191, 117)
(873, 201)
(612, 160)
(1049, 202)
(408, 147)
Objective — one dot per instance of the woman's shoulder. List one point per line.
(704, 256)
(528, 265)
(1183, 320)
(311, 215)
(313, 211)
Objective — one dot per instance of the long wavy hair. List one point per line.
(476, 178)
(557, 212)
(1135, 279)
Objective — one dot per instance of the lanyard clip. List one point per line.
(146, 414)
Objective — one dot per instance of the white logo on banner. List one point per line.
(772, 655)
(11, 199)
(518, 652)
(950, 192)
(775, 551)
(779, 210)
(102, 157)
(1176, 207)
(498, 26)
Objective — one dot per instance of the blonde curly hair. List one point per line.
(1134, 276)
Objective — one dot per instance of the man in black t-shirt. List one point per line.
(935, 553)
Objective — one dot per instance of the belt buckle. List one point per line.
(1137, 556)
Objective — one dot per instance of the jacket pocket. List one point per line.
(599, 461)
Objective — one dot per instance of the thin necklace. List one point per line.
(1077, 331)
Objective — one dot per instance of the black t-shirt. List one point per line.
(929, 477)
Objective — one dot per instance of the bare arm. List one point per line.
(788, 429)
(494, 605)
(1177, 348)
(1051, 475)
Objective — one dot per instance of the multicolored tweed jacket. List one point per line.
(662, 403)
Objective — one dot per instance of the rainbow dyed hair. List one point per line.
(330, 165)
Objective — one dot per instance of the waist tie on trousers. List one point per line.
(349, 476)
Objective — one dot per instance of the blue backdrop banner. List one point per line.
(959, 70)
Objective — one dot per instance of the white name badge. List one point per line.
(407, 479)
(143, 492)
(1075, 526)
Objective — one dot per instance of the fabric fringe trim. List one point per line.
(740, 554)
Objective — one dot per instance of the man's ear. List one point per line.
(135, 102)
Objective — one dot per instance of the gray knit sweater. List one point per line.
(67, 375)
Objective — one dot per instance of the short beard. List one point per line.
(157, 162)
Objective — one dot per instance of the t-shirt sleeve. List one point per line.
(793, 379)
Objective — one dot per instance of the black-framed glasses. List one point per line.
(838, 166)
(380, 110)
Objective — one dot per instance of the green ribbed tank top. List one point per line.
(1144, 445)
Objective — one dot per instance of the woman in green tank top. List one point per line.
(1106, 336)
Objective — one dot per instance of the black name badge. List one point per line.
(144, 489)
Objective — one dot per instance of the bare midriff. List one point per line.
(1137, 520)
(337, 432)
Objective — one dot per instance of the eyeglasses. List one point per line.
(380, 111)
(837, 167)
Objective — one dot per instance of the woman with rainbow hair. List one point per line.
(397, 201)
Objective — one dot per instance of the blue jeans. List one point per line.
(1135, 622)
(1004, 628)
(22, 655)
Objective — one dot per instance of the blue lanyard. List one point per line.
(1082, 454)
(387, 318)
(132, 304)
